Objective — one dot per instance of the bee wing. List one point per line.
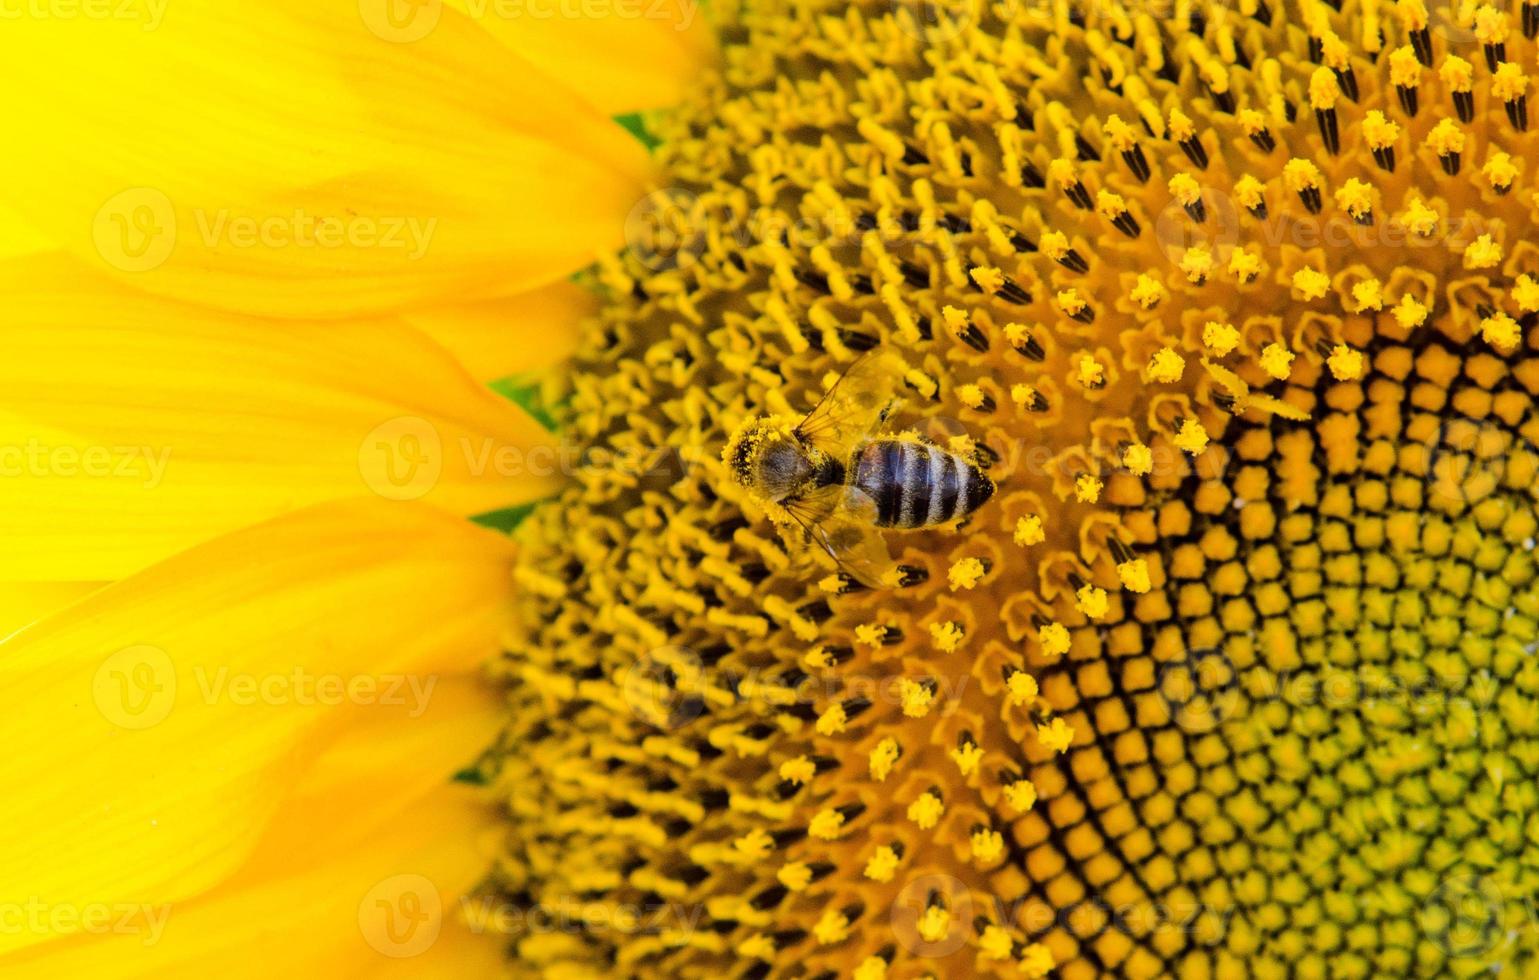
(843, 521)
(857, 404)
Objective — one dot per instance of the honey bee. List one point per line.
(837, 475)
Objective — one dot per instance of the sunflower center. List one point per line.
(1231, 678)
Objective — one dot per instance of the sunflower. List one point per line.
(1233, 677)
(270, 271)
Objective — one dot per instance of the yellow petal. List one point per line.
(388, 895)
(132, 426)
(527, 332)
(155, 730)
(294, 158)
(374, 802)
(22, 603)
(623, 55)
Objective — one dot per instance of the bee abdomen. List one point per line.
(915, 484)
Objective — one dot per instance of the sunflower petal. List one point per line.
(295, 159)
(159, 723)
(134, 426)
(496, 338)
(622, 55)
(22, 603)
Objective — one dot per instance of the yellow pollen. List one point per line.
(946, 636)
(826, 825)
(1500, 171)
(799, 770)
(1184, 189)
(1054, 245)
(1404, 67)
(1311, 283)
(1457, 74)
(1482, 253)
(1070, 302)
(1028, 531)
(1250, 192)
(995, 943)
(1220, 338)
(1147, 291)
(1509, 83)
(1135, 575)
(965, 574)
(987, 846)
(1089, 372)
(1197, 263)
(1021, 688)
(1054, 639)
(988, 278)
(917, 698)
(1023, 394)
(757, 947)
(1355, 197)
(870, 634)
(1036, 961)
(1092, 601)
(1192, 437)
(1111, 206)
(832, 721)
(755, 845)
(794, 875)
(1378, 131)
(883, 864)
(1056, 735)
(883, 757)
(818, 658)
(1139, 459)
(971, 395)
(926, 811)
(1502, 332)
(1300, 175)
(1409, 312)
(1446, 138)
(1021, 795)
(1368, 295)
(1323, 89)
(1525, 293)
(1087, 489)
(1244, 265)
(934, 923)
(967, 757)
(1345, 363)
(831, 927)
(871, 968)
(1277, 361)
(1419, 218)
(1166, 365)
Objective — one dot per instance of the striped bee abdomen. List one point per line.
(916, 484)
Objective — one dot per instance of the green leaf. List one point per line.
(524, 392)
(636, 127)
(507, 518)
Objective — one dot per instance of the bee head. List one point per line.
(765, 456)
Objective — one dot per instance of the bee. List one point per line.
(843, 480)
